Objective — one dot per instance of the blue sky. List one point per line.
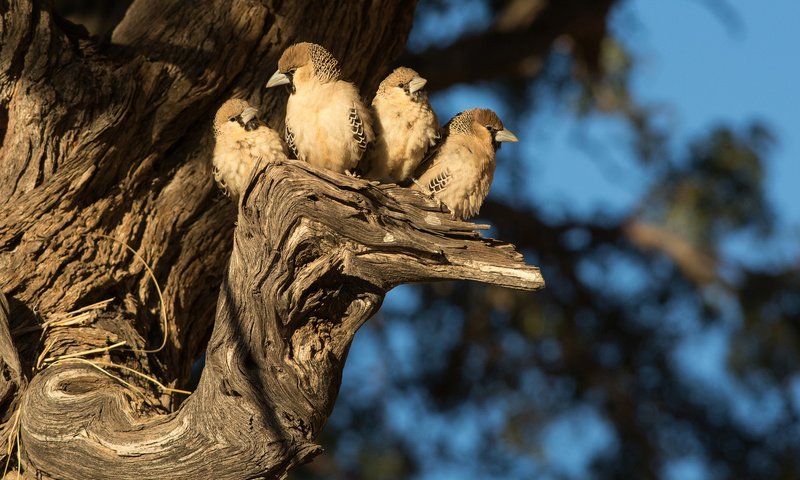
(738, 73)
(707, 72)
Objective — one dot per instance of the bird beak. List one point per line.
(416, 83)
(278, 79)
(249, 119)
(505, 136)
(248, 114)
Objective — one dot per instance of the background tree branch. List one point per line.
(518, 43)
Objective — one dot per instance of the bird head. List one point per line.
(404, 81)
(235, 115)
(484, 124)
(304, 62)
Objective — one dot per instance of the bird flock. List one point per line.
(397, 140)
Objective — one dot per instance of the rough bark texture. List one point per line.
(113, 140)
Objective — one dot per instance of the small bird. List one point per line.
(405, 127)
(240, 139)
(327, 123)
(459, 171)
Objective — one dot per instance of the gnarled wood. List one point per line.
(12, 380)
(314, 253)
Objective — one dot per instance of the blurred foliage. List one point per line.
(650, 347)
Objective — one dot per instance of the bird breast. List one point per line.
(235, 156)
(471, 163)
(317, 114)
(406, 131)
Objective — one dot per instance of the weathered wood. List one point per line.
(313, 255)
(12, 380)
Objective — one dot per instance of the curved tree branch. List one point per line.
(314, 254)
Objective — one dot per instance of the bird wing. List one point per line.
(289, 136)
(435, 170)
(430, 159)
(357, 127)
(439, 182)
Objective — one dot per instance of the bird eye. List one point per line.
(232, 119)
(491, 128)
(401, 85)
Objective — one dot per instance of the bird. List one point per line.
(405, 127)
(327, 123)
(239, 140)
(459, 171)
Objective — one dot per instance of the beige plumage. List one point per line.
(240, 139)
(327, 123)
(405, 127)
(460, 171)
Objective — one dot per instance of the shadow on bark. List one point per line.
(314, 254)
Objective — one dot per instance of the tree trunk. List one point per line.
(106, 150)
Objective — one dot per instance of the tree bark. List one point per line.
(107, 147)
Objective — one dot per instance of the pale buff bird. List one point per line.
(240, 139)
(460, 171)
(327, 123)
(405, 127)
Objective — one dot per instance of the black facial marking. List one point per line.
(252, 124)
(290, 86)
